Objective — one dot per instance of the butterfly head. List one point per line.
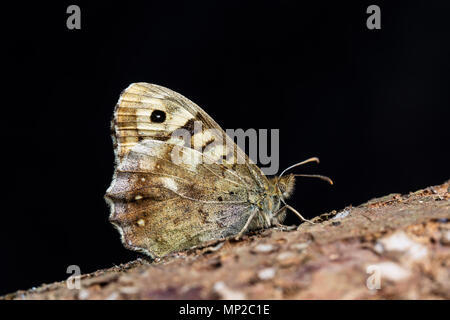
(285, 185)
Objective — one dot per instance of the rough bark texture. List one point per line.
(405, 239)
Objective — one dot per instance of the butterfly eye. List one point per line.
(158, 116)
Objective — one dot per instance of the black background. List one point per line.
(372, 104)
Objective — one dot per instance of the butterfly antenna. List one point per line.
(315, 176)
(313, 159)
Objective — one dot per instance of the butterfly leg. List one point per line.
(279, 211)
(282, 227)
(246, 225)
(298, 214)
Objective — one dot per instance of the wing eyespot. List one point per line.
(158, 116)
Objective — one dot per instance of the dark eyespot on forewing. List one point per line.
(158, 116)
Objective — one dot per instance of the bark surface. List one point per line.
(394, 247)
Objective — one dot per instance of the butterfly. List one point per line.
(162, 205)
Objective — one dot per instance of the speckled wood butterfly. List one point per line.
(160, 205)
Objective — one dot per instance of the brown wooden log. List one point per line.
(394, 247)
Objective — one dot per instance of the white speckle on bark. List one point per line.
(113, 296)
(300, 246)
(264, 248)
(400, 242)
(285, 255)
(392, 271)
(83, 294)
(266, 274)
(445, 239)
(341, 214)
(226, 293)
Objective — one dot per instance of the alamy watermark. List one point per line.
(373, 282)
(74, 19)
(374, 20)
(73, 282)
(211, 146)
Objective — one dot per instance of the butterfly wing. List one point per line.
(160, 205)
(132, 123)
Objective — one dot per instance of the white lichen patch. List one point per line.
(227, 293)
(342, 214)
(399, 242)
(267, 274)
(285, 255)
(113, 296)
(300, 246)
(264, 248)
(445, 239)
(83, 294)
(392, 271)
